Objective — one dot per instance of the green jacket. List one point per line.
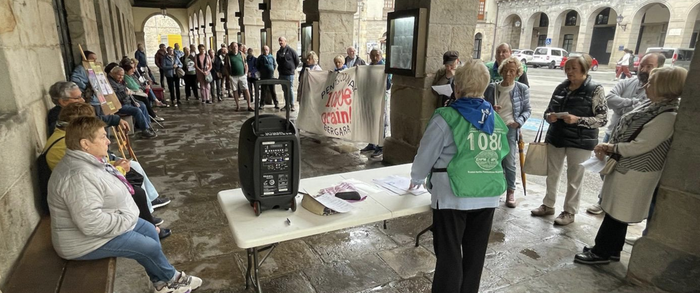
(476, 170)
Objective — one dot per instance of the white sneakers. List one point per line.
(595, 209)
(184, 284)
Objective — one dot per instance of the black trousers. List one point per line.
(264, 90)
(610, 238)
(162, 75)
(174, 88)
(215, 87)
(141, 201)
(191, 83)
(460, 239)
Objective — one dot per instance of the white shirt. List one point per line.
(503, 100)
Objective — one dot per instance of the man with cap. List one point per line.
(504, 51)
(446, 75)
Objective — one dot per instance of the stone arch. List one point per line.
(566, 28)
(209, 28)
(639, 39)
(690, 30)
(179, 23)
(511, 30)
(600, 28)
(538, 23)
(478, 44)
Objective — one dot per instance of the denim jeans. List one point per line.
(288, 99)
(151, 191)
(140, 114)
(141, 244)
(509, 161)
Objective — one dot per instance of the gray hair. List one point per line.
(61, 90)
(115, 71)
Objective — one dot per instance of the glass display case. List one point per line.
(405, 43)
(309, 38)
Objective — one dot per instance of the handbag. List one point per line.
(609, 165)
(180, 72)
(536, 157)
(208, 78)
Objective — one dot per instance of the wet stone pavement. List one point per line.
(195, 156)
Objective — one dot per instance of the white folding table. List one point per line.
(264, 232)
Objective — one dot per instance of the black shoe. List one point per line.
(164, 233)
(157, 221)
(277, 107)
(590, 258)
(219, 98)
(187, 98)
(160, 202)
(369, 147)
(612, 257)
(148, 133)
(377, 152)
(293, 109)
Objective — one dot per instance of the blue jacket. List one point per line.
(141, 57)
(79, 76)
(168, 65)
(266, 65)
(252, 69)
(519, 97)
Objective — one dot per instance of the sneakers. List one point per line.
(510, 199)
(612, 257)
(157, 221)
(369, 147)
(148, 133)
(565, 218)
(159, 119)
(160, 202)
(543, 210)
(164, 233)
(590, 258)
(377, 152)
(595, 209)
(184, 284)
(631, 240)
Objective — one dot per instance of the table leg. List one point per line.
(250, 267)
(256, 280)
(421, 233)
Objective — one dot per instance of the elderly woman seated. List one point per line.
(130, 106)
(56, 149)
(139, 92)
(93, 215)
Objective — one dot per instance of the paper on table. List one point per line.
(445, 89)
(593, 164)
(399, 185)
(334, 203)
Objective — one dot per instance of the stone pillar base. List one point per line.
(663, 266)
(398, 152)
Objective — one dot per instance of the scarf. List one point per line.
(630, 122)
(111, 170)
(477, 111)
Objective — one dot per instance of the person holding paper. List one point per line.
(445, 76)
(640, 145)
(511, 100)
(572, 135)
(461, 153)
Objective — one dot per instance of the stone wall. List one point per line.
(30, 51)
(486, 30)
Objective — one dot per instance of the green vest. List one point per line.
(476, 170)
(495, 76)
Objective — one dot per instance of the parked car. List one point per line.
(548, 56)
(594, 64)
(524, 55)
(675, 56)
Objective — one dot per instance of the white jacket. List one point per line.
(625, 61)
(88, 205)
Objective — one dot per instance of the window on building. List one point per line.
(482, 10)
(571, 18)
(568, 42)
(389, 4)
(541, 40)
(544, 20)
(477, 46)
(603, 17)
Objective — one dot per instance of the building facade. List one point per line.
(600, 28)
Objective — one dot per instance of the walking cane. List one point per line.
(521, 150)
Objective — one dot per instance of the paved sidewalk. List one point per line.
(196, 156)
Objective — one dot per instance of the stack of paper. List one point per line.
(398, 185)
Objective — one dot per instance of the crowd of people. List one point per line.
(467, 153)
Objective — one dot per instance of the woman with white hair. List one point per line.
(460, 154)
(511, 100)
(639, 144)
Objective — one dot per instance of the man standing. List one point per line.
(352, 59)
(504, 51)
(237, 68)
(288, 61)
(140, 55)
(625, 96)
(266, 66)
(159, 60)
(178, 53)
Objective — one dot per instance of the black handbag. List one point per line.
(134, 178)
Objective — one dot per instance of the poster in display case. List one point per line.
(406, 41)
(309, 38)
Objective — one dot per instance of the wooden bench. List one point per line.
(41, 270)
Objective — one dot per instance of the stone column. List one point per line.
(141, 37)
(219, 39)
(585, 32)
(413, 104)
(185, 40)
(526, 37)
(668, 257)
(284, 21)
(677, 34)
(252, 23)
(553, 32)
(336, 29)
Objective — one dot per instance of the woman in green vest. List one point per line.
(461, 154)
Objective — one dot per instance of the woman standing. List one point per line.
(311, 64)
(189, 61)
(169, 67)
(639, 143)
(461, 153)
(203, 67)
(511, 100)
(575, 112)
(93, 215)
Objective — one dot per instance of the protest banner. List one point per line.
(109, 102)
(348, 104)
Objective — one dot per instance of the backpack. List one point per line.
(44, 173)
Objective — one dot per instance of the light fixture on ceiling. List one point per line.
(619, 22)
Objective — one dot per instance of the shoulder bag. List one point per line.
(536, 158)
